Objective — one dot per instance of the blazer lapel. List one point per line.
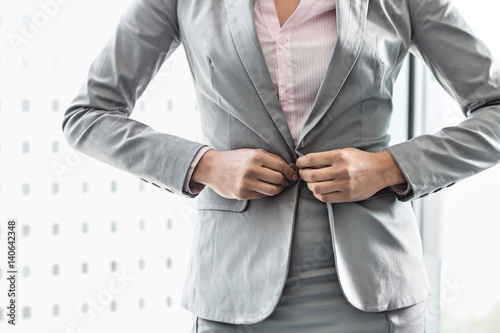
(242, 25)
(351, 22)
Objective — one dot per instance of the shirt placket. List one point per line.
(285, 76)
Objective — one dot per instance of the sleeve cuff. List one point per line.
(402, 190)
(194, 188)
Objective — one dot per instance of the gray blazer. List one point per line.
(241, 249)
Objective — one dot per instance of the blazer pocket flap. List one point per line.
(209, 199)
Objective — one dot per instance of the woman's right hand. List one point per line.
(243, 174)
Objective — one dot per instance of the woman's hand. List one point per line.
(243, 174)
(349, 174)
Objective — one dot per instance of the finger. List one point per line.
(335, 192)
(272, 177)
(318, 174)
(325, 187)
(250, 195)
(276, 163)
(334, 197)
(313, 160)
(265, 188)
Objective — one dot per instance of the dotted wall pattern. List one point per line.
(98, 249)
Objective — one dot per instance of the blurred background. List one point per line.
(101, 251)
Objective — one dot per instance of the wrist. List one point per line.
(391, 174)
(202, 171)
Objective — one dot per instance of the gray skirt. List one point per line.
(312, 300)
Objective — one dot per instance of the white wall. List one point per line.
(81, 222)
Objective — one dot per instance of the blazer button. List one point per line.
(294, 167)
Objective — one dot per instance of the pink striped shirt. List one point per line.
(297, 56)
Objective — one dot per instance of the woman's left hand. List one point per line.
(349, 174)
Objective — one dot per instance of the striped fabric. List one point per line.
(297, 54)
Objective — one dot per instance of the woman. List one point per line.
(304, 224)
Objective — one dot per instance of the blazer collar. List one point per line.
(351, 21)
(242, 26)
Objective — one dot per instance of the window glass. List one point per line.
(470, 291)
(93, 242)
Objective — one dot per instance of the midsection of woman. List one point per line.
(297, 39)
(239, 266)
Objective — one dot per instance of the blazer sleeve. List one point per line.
(465, 68)
(97, 122)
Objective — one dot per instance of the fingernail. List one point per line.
(295, 177)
